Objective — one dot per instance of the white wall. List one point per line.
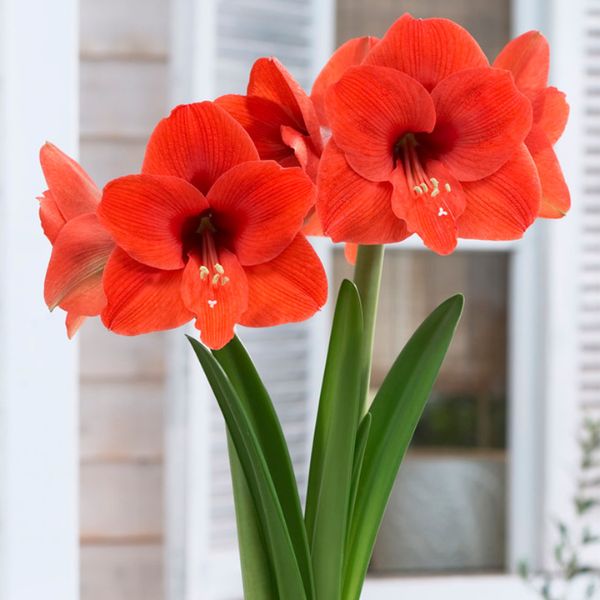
(38, 367)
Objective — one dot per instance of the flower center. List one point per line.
(212, 273)
(417, 179)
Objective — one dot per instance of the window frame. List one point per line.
(543, 382)
(542, 355)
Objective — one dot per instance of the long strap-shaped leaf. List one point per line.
(362, 436)
(395, 413)
(252, 393)
(290, 584)
(257, 576)
(330, 478)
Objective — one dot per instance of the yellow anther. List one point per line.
(435, 182)
(204, 272)
(435, 192)
(447, 187)
(219, 269)
(224, 280)
(424, 187)
(417, 189)
(215, 279)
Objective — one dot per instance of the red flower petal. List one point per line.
(73, 322)
(198, 143)
(352, 208)
(528, 58)
(432, 217)
(71, 188)
(429, 50)
(352, 53)
(74, 276)
(262, 119)
(260, 207)
(50, 216)
(550, 113)
(370, 109)
(271, 80)
(503, 205)
(481, 120)
(289, 288)
(217, 307)
(141, 299)
(312, 224)
(303, 150)
(148, 215)
(351, 252)
(556, 199)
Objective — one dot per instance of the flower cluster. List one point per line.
(416, 133)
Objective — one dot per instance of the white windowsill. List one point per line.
(465, 587)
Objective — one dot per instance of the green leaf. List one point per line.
(362, 437)
(290, 584)
(395, 411)
(251, 391)
(256, 567)
(330, 477)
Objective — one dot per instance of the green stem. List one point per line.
(367, 277)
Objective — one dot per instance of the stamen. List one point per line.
(225, 280)
(219, 269)
(215, 279)
(416, 175)
(204, 272)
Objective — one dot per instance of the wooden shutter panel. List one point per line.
(247, 30)
(241, 31)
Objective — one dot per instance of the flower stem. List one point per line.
(367, 277)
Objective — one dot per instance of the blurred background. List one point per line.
(500, 455)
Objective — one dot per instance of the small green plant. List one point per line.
(574, 577)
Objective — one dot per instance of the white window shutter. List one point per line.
(580, 61)
(226, 37)
(590, 219)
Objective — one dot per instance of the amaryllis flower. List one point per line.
(279, 116)
(208, 231)
(528, 58)
(81, 246)
(427, 139)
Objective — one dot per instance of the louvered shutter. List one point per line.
(246, 30)
(590, 226)
(242, 31)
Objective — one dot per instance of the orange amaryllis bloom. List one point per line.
(427, 139)
(528, 58)
(208, 231)
(279, 117)
(80, 245)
